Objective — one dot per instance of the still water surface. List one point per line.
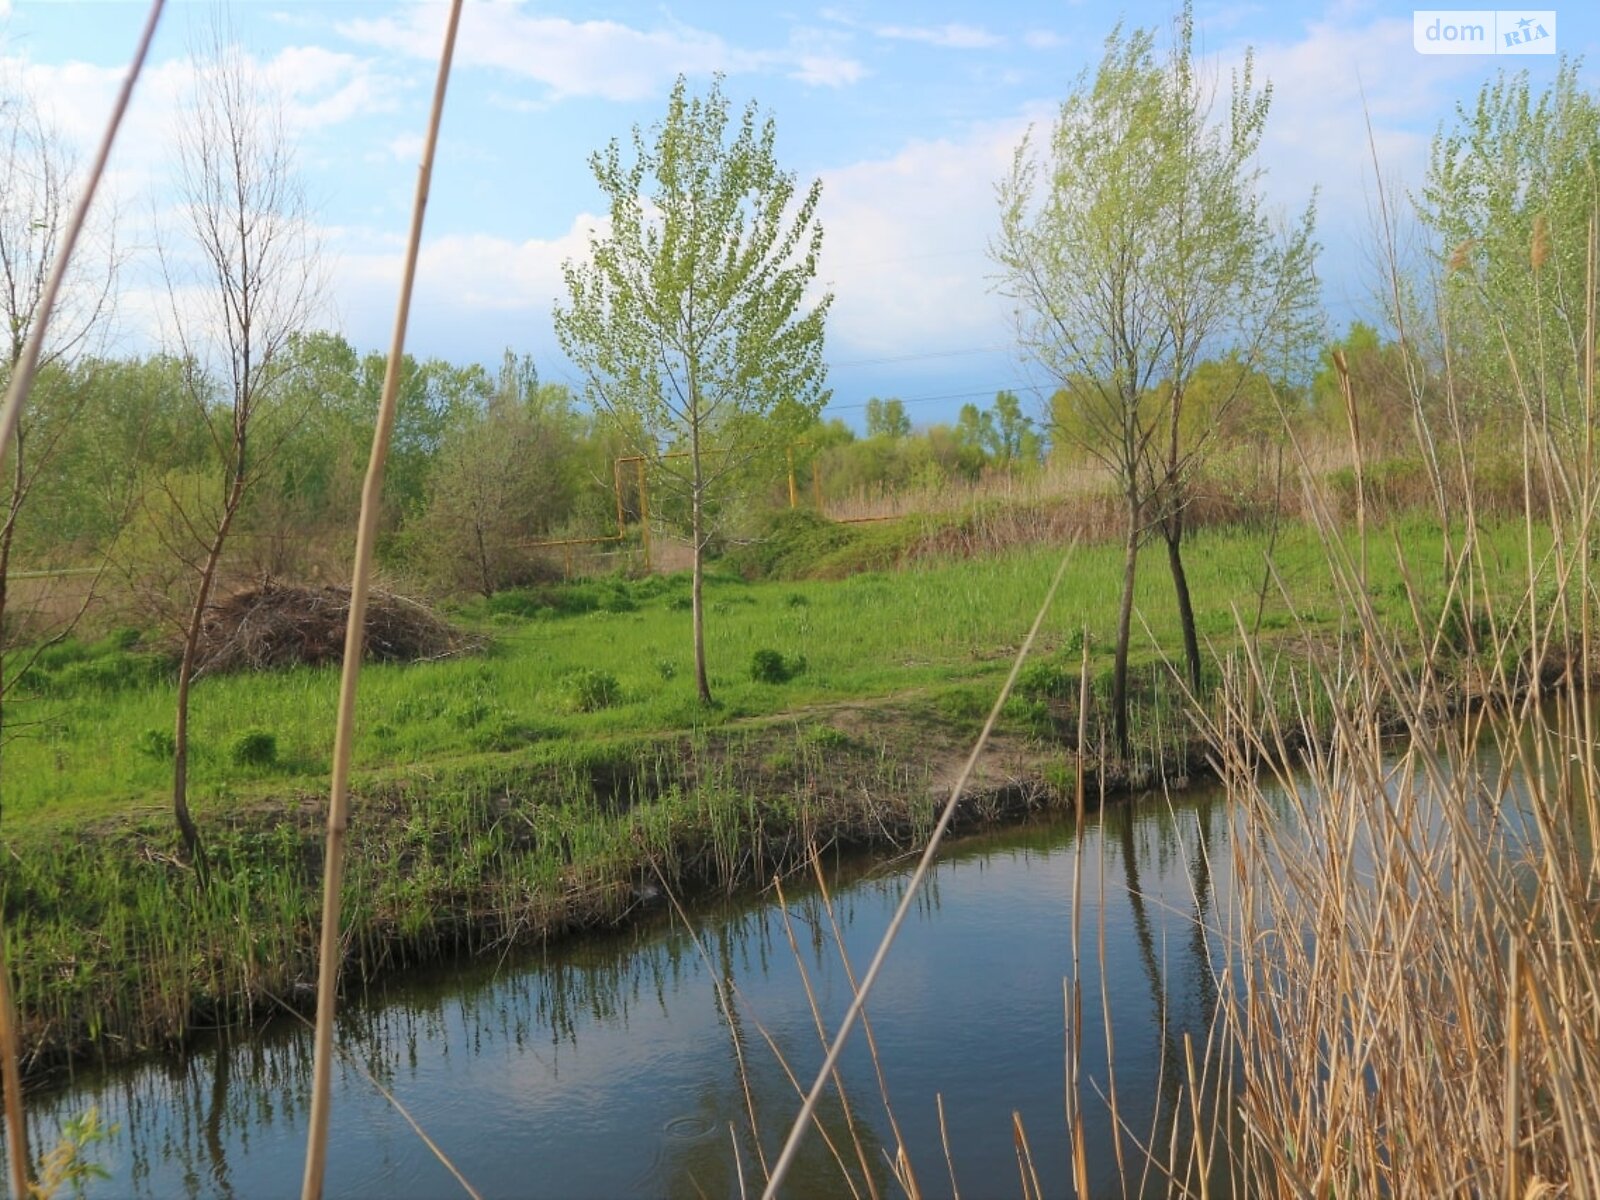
(608, 1068)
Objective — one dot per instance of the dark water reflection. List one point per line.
(608, 1068)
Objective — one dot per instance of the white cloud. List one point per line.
(572, 58)
(320, 88)
(601, 58)
(905, 246)
(462, 272)
(1324, 85)
(406, 148)
(820, 70)
(953, 36)
(1043, 39)
(323, 88)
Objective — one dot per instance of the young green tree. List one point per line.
(1134, 243)
(887, 418)
(1510, 193)
(504, 477)
(691, 320)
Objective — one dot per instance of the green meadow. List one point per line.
(611, 658)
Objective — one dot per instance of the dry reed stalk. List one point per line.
(724, 989)
(738, 1160)
(944, 1140)
(1030, 1177)
(360, 583)
(1353, 417)
(822, 1035)
(1364, 918)
(852, 1014)
(905, 1174)
(1074, 990)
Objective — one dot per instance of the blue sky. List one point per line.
(907, 112)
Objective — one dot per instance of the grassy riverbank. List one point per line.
(542, 785)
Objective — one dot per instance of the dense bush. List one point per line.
(591, 691)
(254, 748)
(769, 666)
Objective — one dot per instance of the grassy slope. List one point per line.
(945, 627)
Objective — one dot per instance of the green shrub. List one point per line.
(826, 737)
(769, 666)
(63, 653)
(125, 638)
(964, 704)
(789, 543)
(469, 714)
(590, 691)
(1047, 680)
(254, 748)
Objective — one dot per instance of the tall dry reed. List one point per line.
(1410, 997)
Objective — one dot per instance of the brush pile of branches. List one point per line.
(282, 624)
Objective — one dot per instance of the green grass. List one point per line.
(89, 745)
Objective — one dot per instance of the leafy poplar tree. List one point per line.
(691, 320)
(1135, 243)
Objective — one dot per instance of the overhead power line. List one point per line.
(898, 358)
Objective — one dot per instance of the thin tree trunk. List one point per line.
(192, 845)
(697, 523)
(483, 563)
(1172, 534)
(701, 684)
(16, 1127)
(1119, 677)
(8, 534)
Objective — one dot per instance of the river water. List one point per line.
(607, 1067)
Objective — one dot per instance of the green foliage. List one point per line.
(701, 279)
(65, 1165)
(1048, 679)
(155, 743)
(690, 319)
(930, 628)
(1380, 385)
(770, 666)
(591, 690)
(1511, 189)
(503, 476)
(788, 543)
(75, 668)
(1140, 195)
(887, 418)
(254, 748)
(826, 737)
